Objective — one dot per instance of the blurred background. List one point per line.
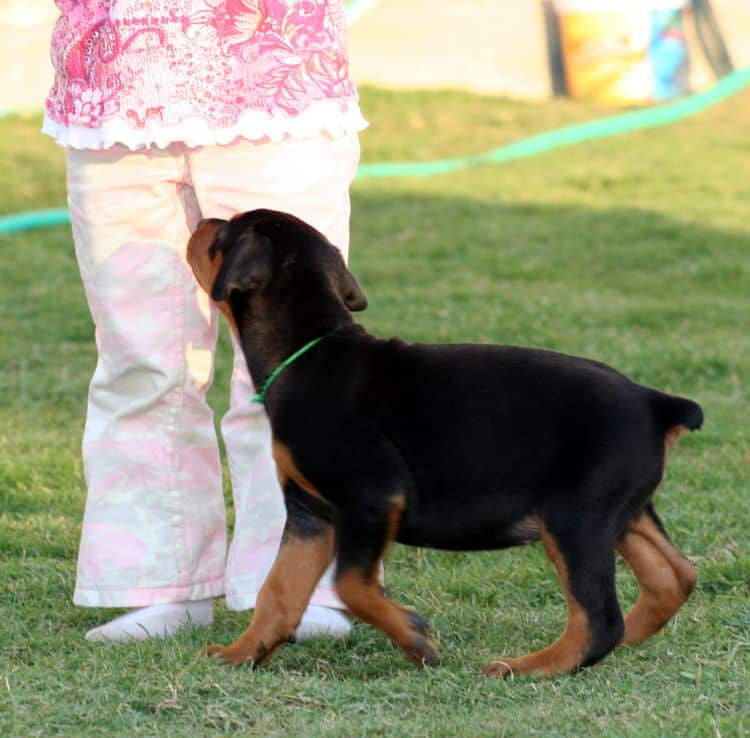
(618, 51)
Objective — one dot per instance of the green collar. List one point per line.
(261, 396)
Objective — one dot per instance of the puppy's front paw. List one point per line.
(230, 655)
(422, 650)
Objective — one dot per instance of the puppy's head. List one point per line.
(264, 261)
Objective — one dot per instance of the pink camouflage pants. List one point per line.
(154, 524)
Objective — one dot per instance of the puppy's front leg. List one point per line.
(364, 533)
(305, 552)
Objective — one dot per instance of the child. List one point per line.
(171, 111)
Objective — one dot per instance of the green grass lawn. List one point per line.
(634, 250)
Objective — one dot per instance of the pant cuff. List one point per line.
(146, 596)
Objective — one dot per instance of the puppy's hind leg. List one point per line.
(665, 577)
(586, 567)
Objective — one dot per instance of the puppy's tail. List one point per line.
(675, 414)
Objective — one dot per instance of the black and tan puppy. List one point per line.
(460, 447)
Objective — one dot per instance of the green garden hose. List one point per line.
(33, 219)
(561, 137)
(569, 135)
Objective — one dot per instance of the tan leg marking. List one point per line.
(364, 597)
(664, 576)
(283, 598)
(569, 650)
(286, 468)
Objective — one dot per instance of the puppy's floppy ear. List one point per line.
(246, 267)
(349, 289)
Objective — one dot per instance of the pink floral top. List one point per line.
(151, 72)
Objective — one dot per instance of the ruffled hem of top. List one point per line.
(324, 118)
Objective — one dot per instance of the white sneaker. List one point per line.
(323, 622)
(156, 621)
